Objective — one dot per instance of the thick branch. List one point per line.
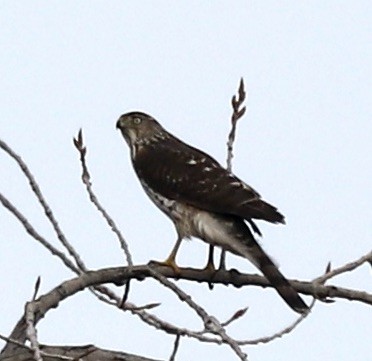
(119, 274)
(88, 353)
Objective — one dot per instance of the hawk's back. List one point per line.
(185, 174)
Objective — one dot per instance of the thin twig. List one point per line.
(210, 322)
(79, 144)
(15, 342)
(139, 311)
(34, 234)
(48, 211)
(175, 348)
(351, 266)
(125, 295)
(291, 327)
(238, 112)
(235, 316)
(100, 292)
(54, 251)
(95, 278)
(280, 333)
(45, 354)
(36, 288)
(214, 326)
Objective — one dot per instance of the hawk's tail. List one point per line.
(249, 248)
(281, 284)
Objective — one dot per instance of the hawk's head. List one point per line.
(139, 128)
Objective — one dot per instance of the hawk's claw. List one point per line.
(168, 263)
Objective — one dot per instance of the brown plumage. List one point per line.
(201, 197)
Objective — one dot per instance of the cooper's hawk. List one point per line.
(201, 197)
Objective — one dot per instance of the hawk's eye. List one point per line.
(137, 120)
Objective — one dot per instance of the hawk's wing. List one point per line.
(186, 174)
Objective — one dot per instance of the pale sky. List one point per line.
(304, 144)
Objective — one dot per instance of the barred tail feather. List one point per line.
(256, 254)
(233, 234)
(282, 286)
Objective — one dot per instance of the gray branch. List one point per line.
(87, 352)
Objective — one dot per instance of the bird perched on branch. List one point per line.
(201, 197)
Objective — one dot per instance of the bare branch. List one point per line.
(343, 269)
(125, 295)
(92, 278)
(148, 306)
(34, 234)
(48, 211)
(31, 330)
(235, 316)
(289, 328)
(210, 322)
(35, 310)
(19, 330)
(76, 353)
(79, 144)
(175, 348)
(214, 326)
(36, 288)
(43, 353)
(280, 333)
(238, 112)
(118, 274)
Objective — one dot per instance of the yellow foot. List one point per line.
(210, 267)
(169, 263)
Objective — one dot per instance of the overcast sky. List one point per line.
(304, 144)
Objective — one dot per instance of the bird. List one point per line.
(202, 198)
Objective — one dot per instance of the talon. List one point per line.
(210, 267)
(210, 262)
(169, 262)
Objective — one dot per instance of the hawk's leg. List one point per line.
(222, 261)
(210, 266)
(210, 263)
(171, 259)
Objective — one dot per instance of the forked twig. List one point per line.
(79, 144)
(210, 322)
(238, 113)
(351, 266)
